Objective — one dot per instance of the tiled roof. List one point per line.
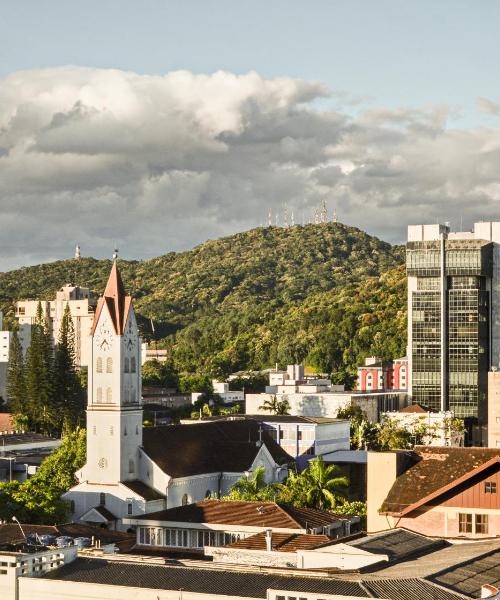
(228, 446)
(24, 438)
(414, 408)
(257, 514)
(144, 491)
(243, 584)
(105, 513)
(281, 542)
(397, 544)
(434, 472)
(468, 577)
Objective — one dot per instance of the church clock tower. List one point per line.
(114, 412)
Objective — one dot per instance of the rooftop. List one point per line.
(251, 584)
(143, 490)
(398, 544)
(434, 471)
(257, 514)
(281, 542)
(228, 446)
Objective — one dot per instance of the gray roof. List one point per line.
(397, 544)
(235, 583)
(469, 576)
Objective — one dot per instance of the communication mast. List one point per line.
(269, 218)
(334, 215)
(323, 213)
(77, 252)
(285, 217)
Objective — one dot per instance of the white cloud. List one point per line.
(163, 162)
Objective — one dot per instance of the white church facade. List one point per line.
(131, 470)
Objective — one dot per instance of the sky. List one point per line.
(156, 125)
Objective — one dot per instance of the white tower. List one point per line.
(77, 252)
(114, 412)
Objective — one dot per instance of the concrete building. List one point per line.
(454, 319)
(82, 304)
(221, 388)
(380, 375)
(494, 409)
(441, 492)
(439, 426)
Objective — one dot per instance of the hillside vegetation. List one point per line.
(325, 294)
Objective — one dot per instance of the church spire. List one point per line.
(116, 299)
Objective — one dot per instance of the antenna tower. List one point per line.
(269, 218)
(285, 217)
(334, 215)
(324, 213)
(77, 252)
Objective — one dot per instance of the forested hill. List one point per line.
(327, 294)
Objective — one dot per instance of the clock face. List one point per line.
(103, 337)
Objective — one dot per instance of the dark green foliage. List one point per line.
(156, 373)
(327, 295)
(16, 382)
(38, 500)
(42, 412)
(69, 397)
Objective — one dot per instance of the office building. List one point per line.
(454, 319)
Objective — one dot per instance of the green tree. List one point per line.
(275, 406)
(38, 499)
(156, 373)
(69, 395)
(42, 410)
(253, 488)
(392, 436)
(324, 488)
(16, 382)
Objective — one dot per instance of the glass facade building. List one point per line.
(449, 308)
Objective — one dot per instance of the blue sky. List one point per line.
(160, 124)
(384, 52)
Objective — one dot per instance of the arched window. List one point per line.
(132, 365)
(132, 395)
(109, 365)
(94, 430)
(126, 365)
(131, 466)
(109, 396)
(185, 500)
(369, 381)
(111, 431)
(102, 499)
(72, 506)
(125, 431)
(99, 395)
(208, 494)
(98, 365)
(137, 430)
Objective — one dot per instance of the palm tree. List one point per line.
(322, 485)
(249, 488)
(275, 406)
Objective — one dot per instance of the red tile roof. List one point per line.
(435, 471)
(256, 514)
(414, 408)
(282, 542)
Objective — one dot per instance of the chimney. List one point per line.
(269, 540)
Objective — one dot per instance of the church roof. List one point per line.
(229, 446)
(116, 300)
(246, 513)
(143, 490)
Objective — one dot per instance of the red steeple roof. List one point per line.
(117, 301)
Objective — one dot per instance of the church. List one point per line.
(133, 470)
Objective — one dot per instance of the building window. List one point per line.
(129, 508)
(98, 365)
(490, 487)
(208, 494)
(111, 431)
(131, 466)
(132, 365)
(109, 365)
(99, 395)
(126, 365)
(94, 430)
(481, 523)
(137, 430)
(185, 500)
(464, 523)
(102, 499)
(72, 506)
(109, 395)
(125, 432)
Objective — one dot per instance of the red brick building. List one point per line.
(445, 492)
(379, 375)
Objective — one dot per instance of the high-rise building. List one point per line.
(454, 319)
(82, 304)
